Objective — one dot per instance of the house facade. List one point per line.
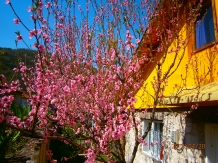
(185, 124)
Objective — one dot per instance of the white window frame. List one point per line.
(149, 150)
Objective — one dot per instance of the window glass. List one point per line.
(153, 139)
(204, 29)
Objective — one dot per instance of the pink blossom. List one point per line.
(79, 7)
(96, 18)
(117, 87)
(128, 47)
(5, 99)
(40, 4)
(16, 21)
(65, 158)
(31, 34)
(8, 1)
(133, 45)
(29, 9)
(16, 70)
(48, 5)
(35, 45)
(2, 117)
(41, 47)
(78, 131)
(19, 37)
(49, 154)
(137, 41)
(11, 98)
(32, 17)
(7, 131)
(91, 156)
(53, 101)
(62, 19)
(44, 22)
(34, 33)
(66, 142)
(161, 96)
(66, 89)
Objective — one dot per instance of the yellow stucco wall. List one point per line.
(202, 67)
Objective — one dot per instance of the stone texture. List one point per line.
(190, 136)
(31, 151)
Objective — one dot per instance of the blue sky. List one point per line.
(7, 26)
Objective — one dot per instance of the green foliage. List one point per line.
(17, 33)
(20, 111)
(15, 144)
(60, 150)
(12, 142)
(4, 139)
(68, 132)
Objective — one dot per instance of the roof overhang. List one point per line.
(150, 41)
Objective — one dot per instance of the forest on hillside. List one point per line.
(9, 59)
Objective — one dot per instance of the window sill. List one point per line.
(204, 47)
(156, 160)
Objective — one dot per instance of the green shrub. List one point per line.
(11, 142)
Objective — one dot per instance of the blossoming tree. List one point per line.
(90, 64)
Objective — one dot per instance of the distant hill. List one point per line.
(9, 59)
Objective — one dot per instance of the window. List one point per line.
(153, 139)
(204, 28)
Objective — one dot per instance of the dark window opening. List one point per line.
(204, 28)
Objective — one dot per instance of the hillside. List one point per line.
(9, 59)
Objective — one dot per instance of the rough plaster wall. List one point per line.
(141, 156)
(189, 133)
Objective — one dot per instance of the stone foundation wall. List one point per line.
(141, 156)
(187, 148)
